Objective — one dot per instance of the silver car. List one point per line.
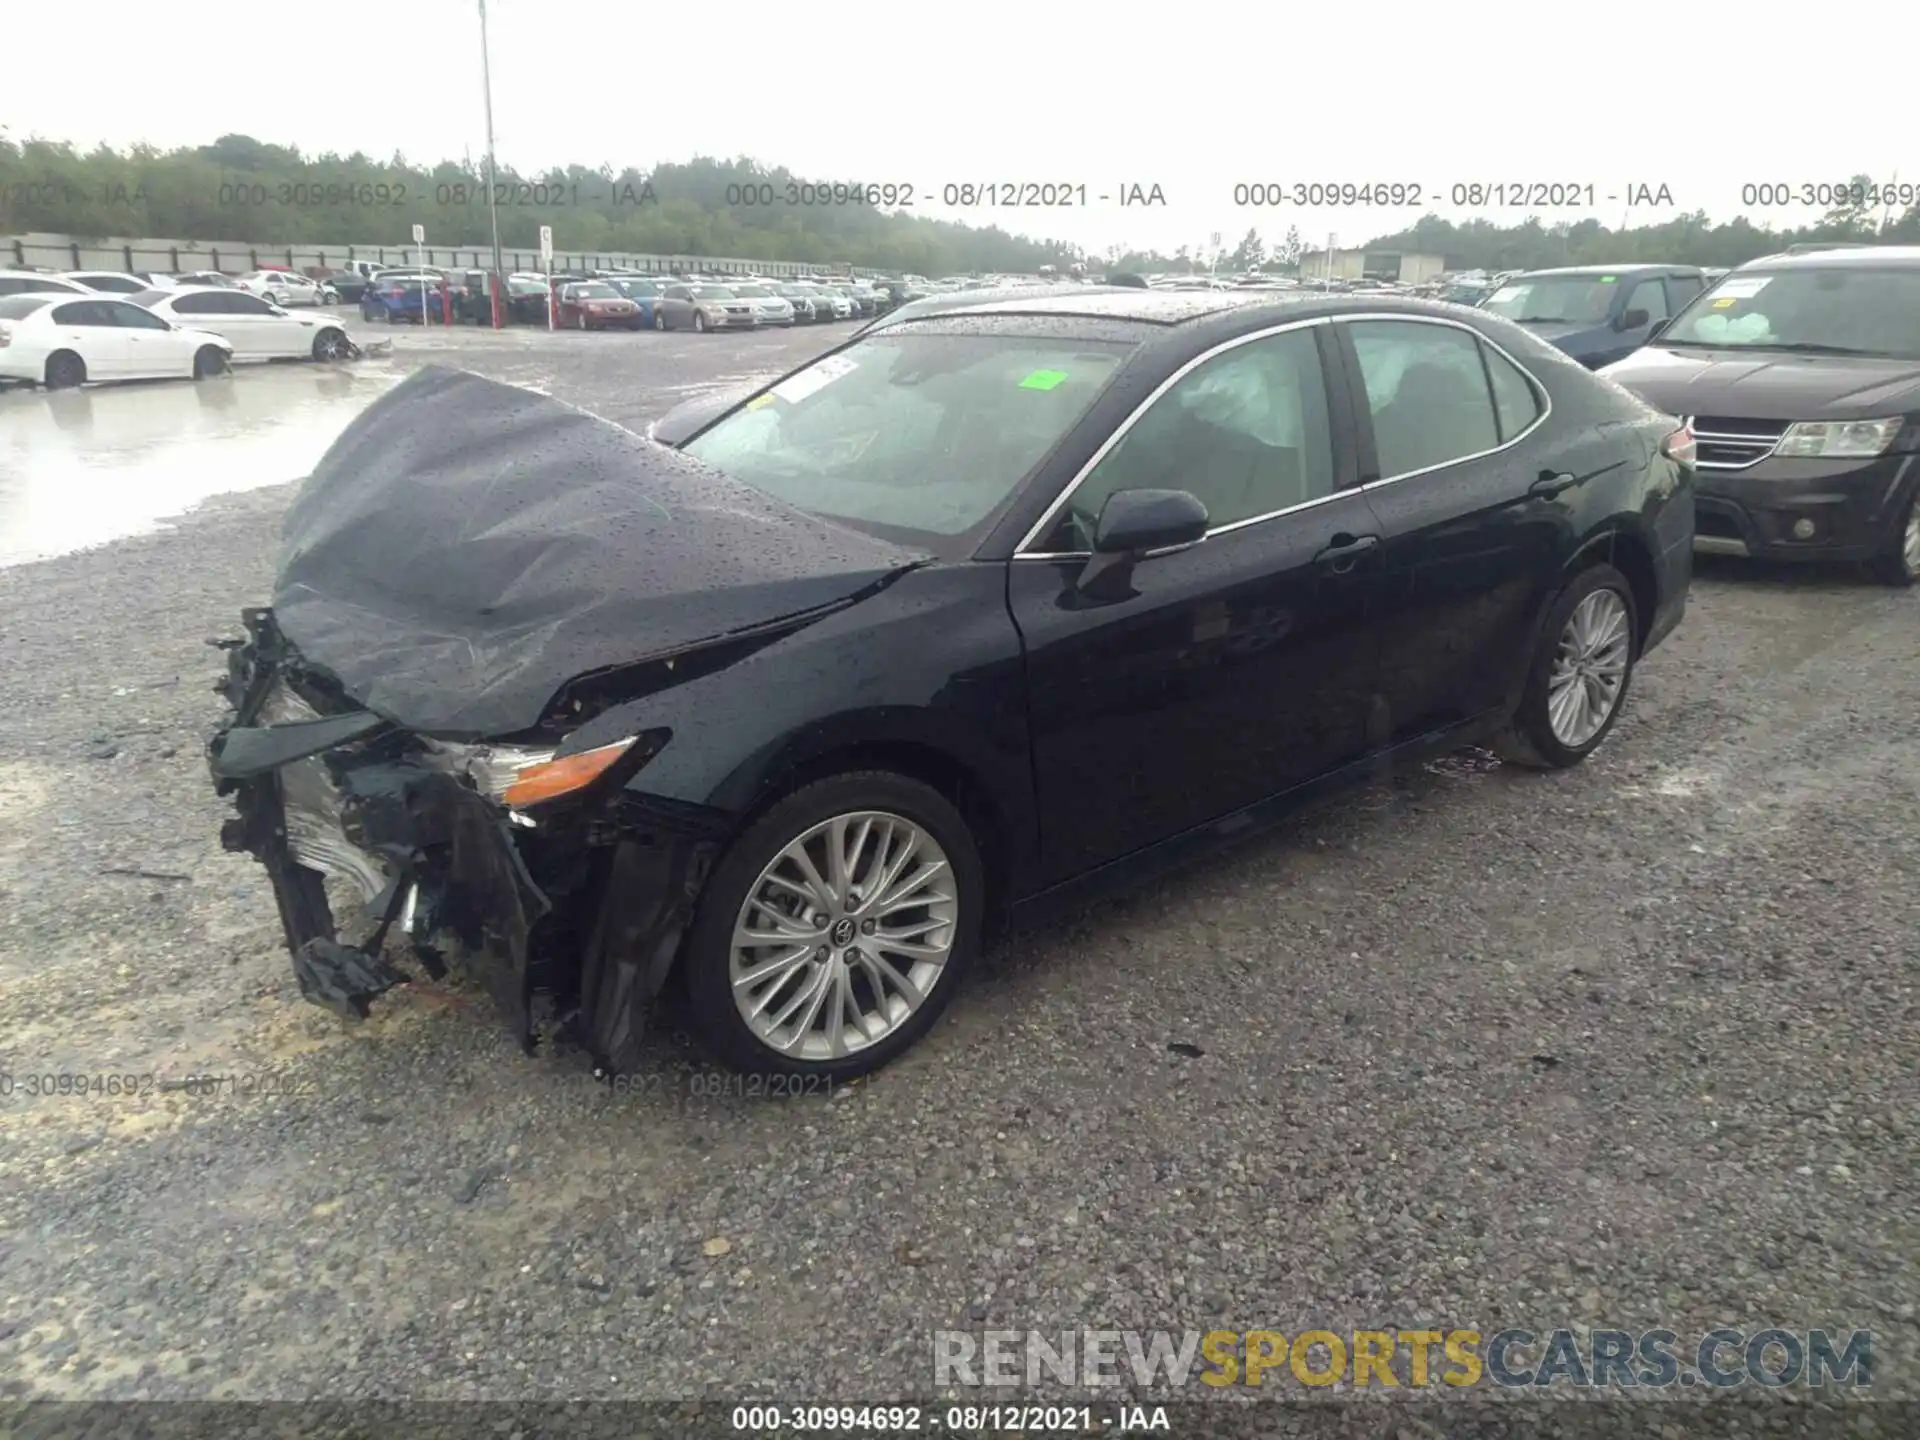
(770, 306)
(703, 306)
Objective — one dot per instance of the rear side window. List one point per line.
(83, 312)
(1515, 404)
(1428, 394)
(197, 305)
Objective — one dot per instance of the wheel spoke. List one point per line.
(823, 893)
(885, 977)
(907, 891)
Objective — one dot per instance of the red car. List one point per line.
(595, 305)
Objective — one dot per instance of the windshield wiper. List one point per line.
(1802, 347)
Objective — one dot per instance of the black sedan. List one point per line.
(805, 695)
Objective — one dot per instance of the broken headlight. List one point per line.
(518, 775)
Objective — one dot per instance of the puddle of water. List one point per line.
(81, 467)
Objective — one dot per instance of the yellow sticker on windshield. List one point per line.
(760, 402)
(1726, 302)
(1043, 379)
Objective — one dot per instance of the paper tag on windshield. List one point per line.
(1742, 287)
(796, 388)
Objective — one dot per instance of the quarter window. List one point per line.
(197, 305)
(84, 312)
(1247, 433)
(1515, 404)
(1428, 393)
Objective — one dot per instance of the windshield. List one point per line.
(18, 307)
(752, 292)
(929, 434)
(1846, 308)
(712, 292)
(631, 288)
(1556, 299)
(595, 291)
(526, 287)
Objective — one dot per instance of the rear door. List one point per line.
(1450, 445)
(209, 311)
(1239, 667)
(88, 328)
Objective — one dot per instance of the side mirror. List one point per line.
(1632, 320)
(1132, 525)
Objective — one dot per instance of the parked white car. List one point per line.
(38, 282)
(110, 282)
(284, 287)
(770, 307)
(257, 329)
(61, 342)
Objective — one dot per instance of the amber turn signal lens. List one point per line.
(554, 778)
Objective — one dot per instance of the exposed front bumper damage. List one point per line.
(584, 908)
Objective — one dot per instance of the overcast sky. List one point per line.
(1701, 98)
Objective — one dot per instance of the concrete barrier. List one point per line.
(236, 257)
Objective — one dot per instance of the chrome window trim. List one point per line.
(1541, 394)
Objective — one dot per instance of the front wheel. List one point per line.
(581, 319)
(659, 319)
(1578, 678)
(699, 323)
(1899, 563)
(330, 344)
(209, 361)
(836, 928)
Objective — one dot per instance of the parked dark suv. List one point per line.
(1597, 313)
(1800, 375)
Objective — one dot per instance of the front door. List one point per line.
(1238, 667)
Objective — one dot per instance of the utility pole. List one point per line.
(493, 207)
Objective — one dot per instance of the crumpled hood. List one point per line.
(466, 548)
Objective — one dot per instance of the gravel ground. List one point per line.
(1631, 1045)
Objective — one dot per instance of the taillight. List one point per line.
(1679, 446)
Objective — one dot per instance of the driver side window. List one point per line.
(1247, 432)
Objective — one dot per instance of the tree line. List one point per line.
(240, 188)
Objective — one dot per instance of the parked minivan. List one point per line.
(1597, 313)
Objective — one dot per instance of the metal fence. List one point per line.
(66, 252)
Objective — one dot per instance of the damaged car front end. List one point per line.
(477, 580)
(539, 874)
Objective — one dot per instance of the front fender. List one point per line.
(932, 661)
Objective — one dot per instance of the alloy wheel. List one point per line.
(844, 935)
(1910, 538)
(1589, 672)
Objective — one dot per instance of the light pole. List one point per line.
(493, 207)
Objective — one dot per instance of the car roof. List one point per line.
(1636, 269)
(1901, 256)
(1115, 302)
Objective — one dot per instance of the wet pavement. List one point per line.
(83, 467)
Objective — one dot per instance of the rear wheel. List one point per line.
(208, 361)
(1578, 679)
(65, 370)
(836, 928)
(1899, 563)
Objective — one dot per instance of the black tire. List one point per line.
(1528, 739)
(209, 361)
(699, 323)
(1890, 566)
(65, 371)
(705, 962)
(659, 319)
(581, 319)
(329, 344)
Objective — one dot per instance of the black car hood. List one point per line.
(466, 548)
(689, 417)
(1769, 384)
(1576, 338)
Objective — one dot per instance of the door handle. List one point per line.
(1551, 484)
(1346, 552)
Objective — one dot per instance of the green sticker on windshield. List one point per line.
(1043, 379)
